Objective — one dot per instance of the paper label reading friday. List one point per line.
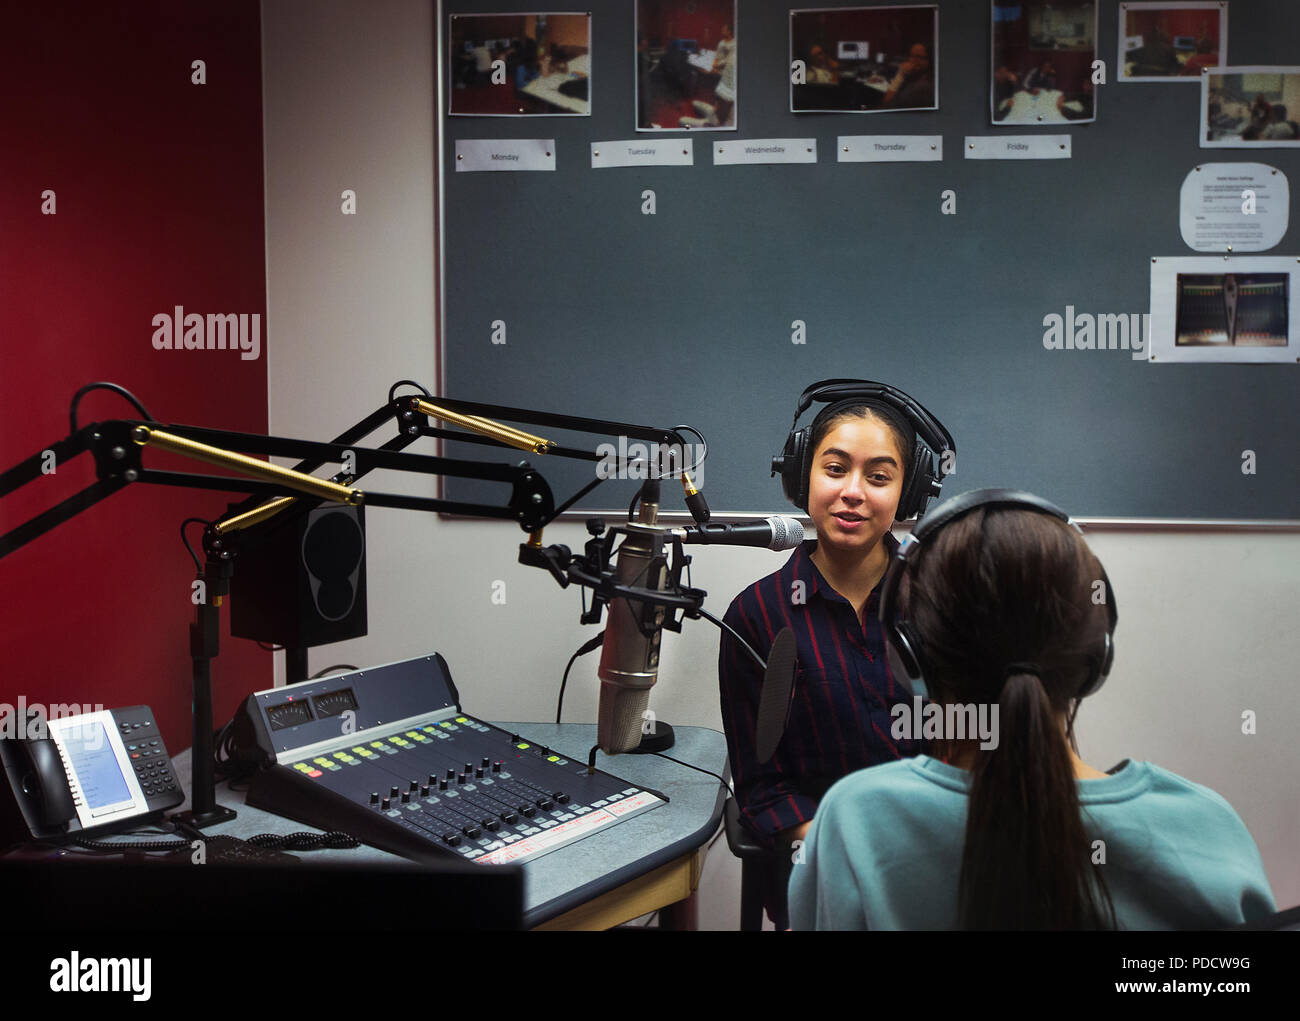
(888, 148)
(1017, 147)
(638, 152)
(765, 150)
(505, 154)
(1242, 207)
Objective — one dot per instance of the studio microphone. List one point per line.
(629, 660)
(777, 532)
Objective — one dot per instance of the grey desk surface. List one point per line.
(572, 875)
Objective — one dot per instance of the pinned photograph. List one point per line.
(686, 65)
(1250, 107)
(1170, 41)
(520, 65)
(1206, 310)
(864, 59)
(1043, 55)
(1231, 310)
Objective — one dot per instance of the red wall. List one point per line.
(1176, 23)
(889, 32)
(158, 186)
(669, 19)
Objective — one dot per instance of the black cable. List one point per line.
(198, 568)
(726, 784)
(331, 840)
(723, 624)
(407, 382)
(337, 666)
(704, 446)
(302, 841)
(586, 648)
(76, 399)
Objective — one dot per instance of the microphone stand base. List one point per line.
(660, 739)
(216, 814)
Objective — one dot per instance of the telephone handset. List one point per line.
(90, 774)
(44, 781)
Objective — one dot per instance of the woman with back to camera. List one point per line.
(871, 455)
(996, 600)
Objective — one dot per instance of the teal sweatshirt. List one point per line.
(884, 851)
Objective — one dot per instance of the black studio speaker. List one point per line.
(304, 583)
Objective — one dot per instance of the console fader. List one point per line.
(386, 755)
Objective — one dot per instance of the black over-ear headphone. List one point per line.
(922, 478)
(898, 634)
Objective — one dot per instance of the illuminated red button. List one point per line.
(315, 772)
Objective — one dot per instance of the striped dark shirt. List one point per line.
(844, 690)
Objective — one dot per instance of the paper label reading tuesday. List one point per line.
(640, 152)
(505, 154)
(1238, 207)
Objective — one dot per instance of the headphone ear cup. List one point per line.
(1101, 667)
(916, 486)
(794, 469)
(904, 659)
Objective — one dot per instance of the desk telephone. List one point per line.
(90, 775)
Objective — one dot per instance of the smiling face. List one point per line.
(856, 480)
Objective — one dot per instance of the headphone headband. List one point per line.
(835, 391)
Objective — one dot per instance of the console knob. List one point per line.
(496, 766)
(424, 791)
(392, 793)
(385, 805)
(374, 797)
(479, 772)
(406, 797)
(442, 785)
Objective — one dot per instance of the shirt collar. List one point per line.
(804, 570)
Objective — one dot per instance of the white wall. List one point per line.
(1207, 621)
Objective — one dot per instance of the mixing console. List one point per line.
(387, 755)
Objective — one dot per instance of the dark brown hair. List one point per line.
(829, 419)
(1003, 586)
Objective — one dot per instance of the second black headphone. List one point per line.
(922, 479)
(898, 634)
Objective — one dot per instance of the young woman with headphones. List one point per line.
(995, 600)
(871, 456)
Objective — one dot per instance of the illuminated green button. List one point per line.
(522, 745)
(342, 755)
(428, 728)
(302, 767)
(461, 719)
(552, 758)
(360, 751)
(320, 760)
(444, 724)
(376, 744)
(411, 733)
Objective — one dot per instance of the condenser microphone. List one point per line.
(629, 655)
(777, 532)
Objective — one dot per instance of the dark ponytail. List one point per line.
(1001, 603)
